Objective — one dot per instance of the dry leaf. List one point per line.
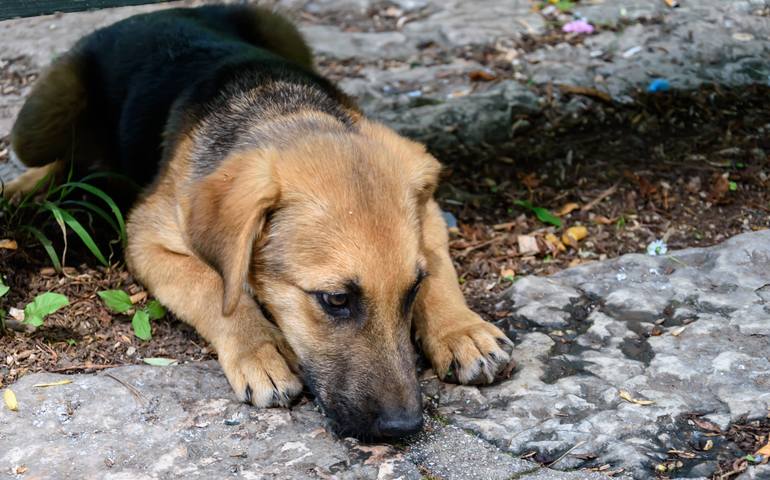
(573, 235)
(481, 75)
(567, 208)
(20, 470)
(627, 397)
(507, 274)
(706, 425)
(16, 313)
(52, 384)
(10, 400)
(138, 297)
(602, 220)
(8, 244)
(678, 330)
(554, 240)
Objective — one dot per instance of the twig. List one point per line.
(566, 453)
(136, 393)
(588, 206)
(84, 367)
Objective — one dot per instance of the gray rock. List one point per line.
(717, 364)
(143, 422)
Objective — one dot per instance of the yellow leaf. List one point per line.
(627, 397)
(8, 244)
(764, 451)
(574, 234)
(554, 240)
(52, 384)
(567, 208)
(10, 400)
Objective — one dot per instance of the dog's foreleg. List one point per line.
(460, 344)
(254, 356)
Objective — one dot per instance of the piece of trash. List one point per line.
(657, 247)
(508, 274)
(709, 445)
(631, 52)
(527, 245)
(659, 85)
(578, 26)
(52, 384)
(231, 422)
(159, 361)
(629, 398)
(672, 3)
(449, 219)
(10, 400)
(743, 37)
(620, 276)
(414, 94)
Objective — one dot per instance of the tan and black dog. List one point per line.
(296, 236)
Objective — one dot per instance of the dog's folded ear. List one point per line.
(227, 215)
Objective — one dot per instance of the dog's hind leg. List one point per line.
(254, 355)
(43, 137)
(456, 340)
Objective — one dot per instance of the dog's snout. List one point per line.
(391, 425)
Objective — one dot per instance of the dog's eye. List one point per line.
(335, 304)
(336, 300)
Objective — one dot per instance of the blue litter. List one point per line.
(451, 221)
(659, 85)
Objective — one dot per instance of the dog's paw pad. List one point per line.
(472, 354)
(262, 377)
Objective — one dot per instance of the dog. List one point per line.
(299, 238)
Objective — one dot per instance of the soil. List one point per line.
(688, 168)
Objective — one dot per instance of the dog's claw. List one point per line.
(248, 393)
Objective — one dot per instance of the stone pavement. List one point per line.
(688, 332)
(413, 68)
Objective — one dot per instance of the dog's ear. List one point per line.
(227, 215)
(421, 169)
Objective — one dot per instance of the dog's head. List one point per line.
(327, 232)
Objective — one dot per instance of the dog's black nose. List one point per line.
(399, 424)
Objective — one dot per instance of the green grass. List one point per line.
(70, 209)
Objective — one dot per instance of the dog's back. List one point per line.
(124, 90)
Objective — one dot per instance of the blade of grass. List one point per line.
(63, 216)
(106, 199)
(46, 243)
(95, 209)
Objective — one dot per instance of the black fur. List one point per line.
(153, 77)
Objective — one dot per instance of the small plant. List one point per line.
(72, 206)
(42, 306)
(543, 214)
(118, 301)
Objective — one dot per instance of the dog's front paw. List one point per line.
(261, 377)
(469, 352)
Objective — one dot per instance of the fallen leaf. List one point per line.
(10, 400)
(627, 397)
(554, 240)
(16, 313)
(719, 188)
(678, 330)
(52, 384)
(20, 470)
(507, 274)
(573, 235)
(567, 208)
(587, 92)
(602, 220)
(159, 361)
(709, 445)
(137, 297)
(706, 425)
(8, 244)
(481, 75)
